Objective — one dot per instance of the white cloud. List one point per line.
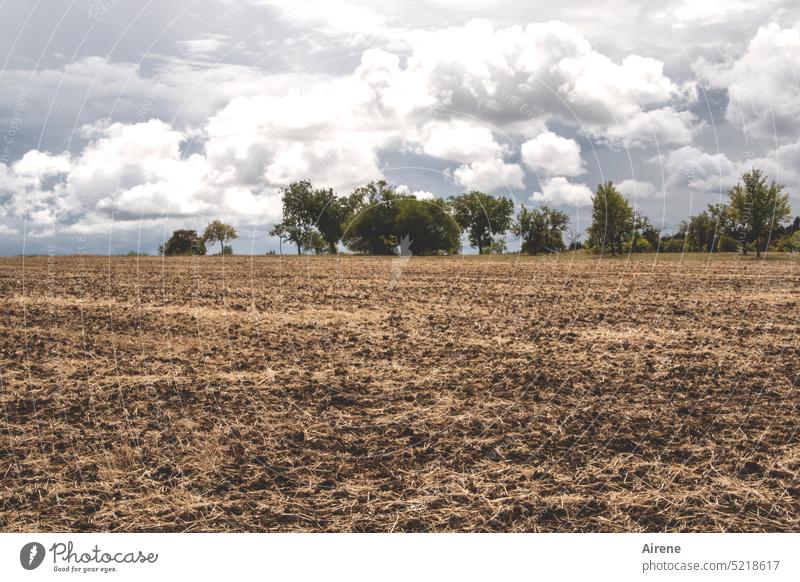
(332, 16)
(552, 154)
(781, 165)
(489, 175)
(547, 70)
(201, 47)
(459, 141)
(636, 190)
(8, 231)
(664, 126)
(690, 168)
(762, 83)
(560, 191)
(686, 12)
(38, 164)
(131, 171)
(418, 194)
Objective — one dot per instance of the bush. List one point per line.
(672, 245)
(727, 244)
(790, 244)
(642, 246)
(496, 247)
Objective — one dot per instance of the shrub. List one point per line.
(497, 247)
(642, 246)
(727, 244)
(790, 244)
(672, 245)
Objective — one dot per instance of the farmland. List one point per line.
(504, 393)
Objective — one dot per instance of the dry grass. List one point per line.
(297, 394)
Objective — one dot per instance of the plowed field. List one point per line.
(560, 393)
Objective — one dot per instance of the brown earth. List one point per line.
(376, 394)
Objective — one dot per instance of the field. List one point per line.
(559, 393)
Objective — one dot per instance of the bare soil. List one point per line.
(564, 393)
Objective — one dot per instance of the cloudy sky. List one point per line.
(121, 120)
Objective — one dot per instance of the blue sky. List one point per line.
(120, 121)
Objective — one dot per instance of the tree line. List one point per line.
(375, 217)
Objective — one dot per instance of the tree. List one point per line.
(643, 235)
(222, 232)
(290, 231)
(789, 236)
(482, 216)
(371, 230)
(383, 218)
(311, 214)
(541, 229)
(612, 218)
(184, 242)
(330, 212)
(757, 209)
(700, 232)
(428, 224)
(731, 228)
(791, 243)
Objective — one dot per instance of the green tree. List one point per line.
(541, 229)
(700, 232)
(791, 243)
(482, 216)
(371, 229)
(331, 213)
(757, 208)
(612, 218)
(184, 242)
(310, 214)
(221, 232)
(643, 235)
(498, 246)
(382, 218)
(428, 224)
(287, 230)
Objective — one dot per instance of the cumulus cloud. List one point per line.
(552, 154)
(39, 165)
(664, 126)
(560, 191)
(762, 83)
(335, 132)
(781, 165)
(490, 175)
(130, 172)
(635, 189)
(548, 70)
(459, 141)
(690, 168)
(418, 194)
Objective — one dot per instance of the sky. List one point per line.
(121, 121)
